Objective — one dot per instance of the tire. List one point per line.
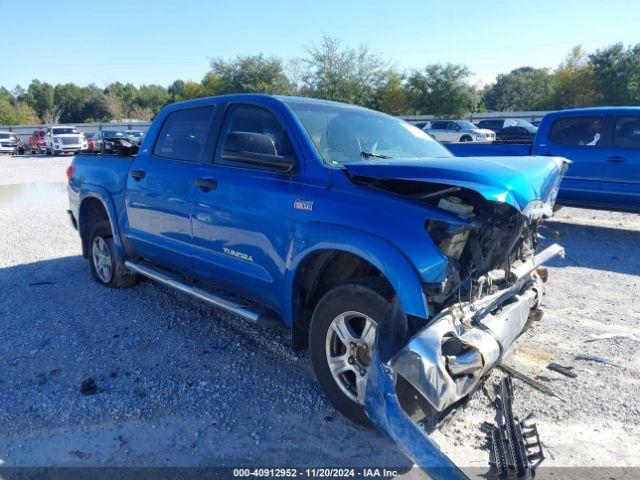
(466, 138)
(360, 298)
(117, 275)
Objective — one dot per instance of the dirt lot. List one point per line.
(180, 383)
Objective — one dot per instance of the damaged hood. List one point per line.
(522, 182)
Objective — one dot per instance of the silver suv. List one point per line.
(458, 131)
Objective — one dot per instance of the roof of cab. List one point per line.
(595, 110)
(249, 96)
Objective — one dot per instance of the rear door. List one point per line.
(586, 142)
(242, 210)
(621, 168)
(160, 189)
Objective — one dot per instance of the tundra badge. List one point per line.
(235, 253)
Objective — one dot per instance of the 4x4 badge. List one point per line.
(303, 205)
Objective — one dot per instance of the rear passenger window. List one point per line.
(627, 132)
(439, 125)
(577, 131)
(184, 134)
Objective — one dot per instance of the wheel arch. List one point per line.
(345, 257)
(94, 208)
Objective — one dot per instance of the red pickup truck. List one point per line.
(37, 142)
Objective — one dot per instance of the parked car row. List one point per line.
(504, 130)
(458, 131)
(60, 139)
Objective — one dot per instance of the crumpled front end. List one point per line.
(479, 306)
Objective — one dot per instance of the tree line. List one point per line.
(331, 70)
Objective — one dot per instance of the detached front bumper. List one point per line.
(446, 360)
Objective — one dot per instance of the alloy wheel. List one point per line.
(349, 346)
(102, 259)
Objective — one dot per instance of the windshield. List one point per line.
(346, 134)
(466, 124)
(65, 131)
(111, 133)
(134, 134)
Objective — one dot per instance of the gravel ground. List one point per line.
(180, 383)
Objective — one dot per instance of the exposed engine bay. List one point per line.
(481, 256)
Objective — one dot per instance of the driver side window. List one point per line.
(252, 137)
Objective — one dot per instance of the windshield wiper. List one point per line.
(375, 155)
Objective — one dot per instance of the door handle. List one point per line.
(138, 175)
(616, 159)
(206, 184)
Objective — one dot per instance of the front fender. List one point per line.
(103, 195)
(403, 277)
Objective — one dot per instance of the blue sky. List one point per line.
(158, 41)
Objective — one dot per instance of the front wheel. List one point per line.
(341, 340)
(466, 138)
(107, 266)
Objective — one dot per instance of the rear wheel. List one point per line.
(341, 340)
(107, 266)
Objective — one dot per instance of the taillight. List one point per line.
(70, 171)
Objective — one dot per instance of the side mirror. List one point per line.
(256, 149)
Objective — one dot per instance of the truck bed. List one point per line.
(477, 149)
(108, 171)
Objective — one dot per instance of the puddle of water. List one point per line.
(33, 193)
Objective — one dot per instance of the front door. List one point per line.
(243, 207)
(621, 168)
(160, 188)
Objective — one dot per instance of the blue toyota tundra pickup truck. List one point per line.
(603, 144)
(325, 217)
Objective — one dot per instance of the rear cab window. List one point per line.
(587, 131)
(184, 134)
